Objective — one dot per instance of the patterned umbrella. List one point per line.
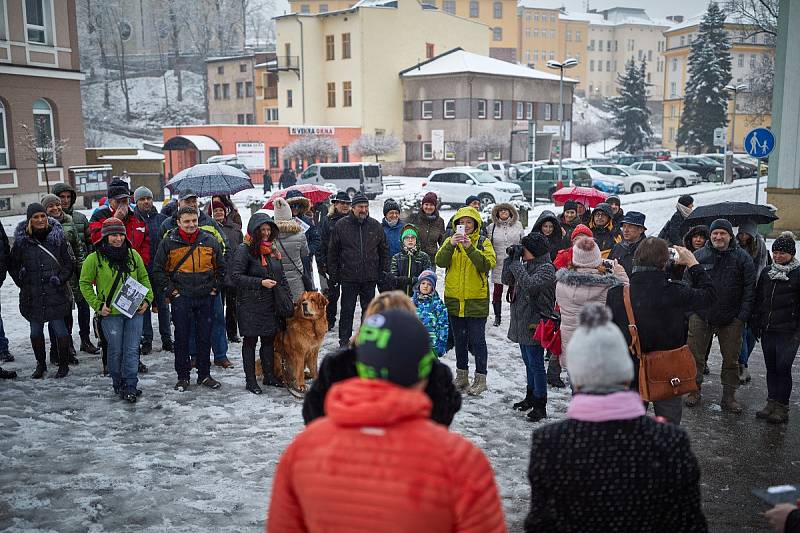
(586, 195)
(209, 179)
(314, 193)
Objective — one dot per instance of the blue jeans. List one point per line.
(122, 340)
(469, 334)
(3, 338)
(164, 327)
(533, 356)
(219, 335)
(192, 318)
(748, 344)
(58, 325)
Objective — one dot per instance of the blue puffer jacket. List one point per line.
(393, 236)
(433, 314)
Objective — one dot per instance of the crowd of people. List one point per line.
(579, 275)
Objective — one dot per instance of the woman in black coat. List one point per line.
(776, 320)
(341, 365)
(255, 273)
(556, 238)
(42, 265)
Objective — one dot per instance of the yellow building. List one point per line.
(746, 53)
(342, 68)
(499, 15)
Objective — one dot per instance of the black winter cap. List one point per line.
(360, 198)
(535, 243)
(470, 199)
(785, 243)
(118, 189)
(721, 223)
(395, 346)
(686, 200)
(570, 205)
(33, 209)
(390, 205)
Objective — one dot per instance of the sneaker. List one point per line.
(182, 385)
(6, 357)
(224, 363)
(209, 382)
(146, 348)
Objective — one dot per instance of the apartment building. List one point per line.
(341, 68)
(232, 82)
(39, 87)
(747, 53)
(266, 94)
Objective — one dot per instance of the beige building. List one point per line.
(342, 68)
(266, 94)
(747, 52)
(232, 83)
(40, 87)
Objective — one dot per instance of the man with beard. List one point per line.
(632, 234)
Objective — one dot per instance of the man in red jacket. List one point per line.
(376, 462)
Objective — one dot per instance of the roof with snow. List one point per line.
(616, 16)
(141, 155)
(459, 61)
(541, 4)
(690, 22)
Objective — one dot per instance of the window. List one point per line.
(474, 9)
(449, 6)
(37, 21)
(673, 89)
(240, 119)
(248, 89)
(43, 124)
(498, 109)
(449, 108)
(599, 66)
(287, 49)
(535, 56)
(672, 111)
(674, 64)
(345, 46)
(305, 9)
(591, 65)
(527, 32)
(520, 110)
(577, 36)
(288, 98)
(427, 109)
(250, 118)
(427, 151)
(600, 45)
(552, 34)
(552, 19)
(430, 50)
(3, 136)
(347, 94)
(271, 114)
(481, 108)
(239, 89)
(497, 34)
(242, 67)
(608, 66)
(450, 155)
(331, 94)
(552, 55)
(529, 111)
(217, 91)
(683, 40)
(648, 78)
(345, 154)
(591, 45)
(671, 133)
(221, 70)
(273, 157)
(649, 55)
(323, 8)
(226, 91)
(330, 48)
(536, 17)
(497, 9)
(752, 60)
(535, 33)
(548, 111)
(740, 61)
(569, 35)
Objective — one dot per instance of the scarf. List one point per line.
(683, 210)
(392, 224)
(265, 250)
(117, 256)
(40, 234)
(622, 405)
(188, 237)
(780, 272)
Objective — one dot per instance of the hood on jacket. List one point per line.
(55, 237)
(586, 277)
(58, 188)
(259, 219)
(544, 217)
(696, 230)
(749, 228)
(470, 212)
(358, 402)
(513, 210)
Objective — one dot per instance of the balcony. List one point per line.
(270, 93)
(283, 64)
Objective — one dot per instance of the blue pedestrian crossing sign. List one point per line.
(759, 142)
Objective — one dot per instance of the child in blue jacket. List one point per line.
(431, 311)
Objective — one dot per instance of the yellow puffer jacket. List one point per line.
(466, 287)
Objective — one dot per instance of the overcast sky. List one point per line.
(654, 8)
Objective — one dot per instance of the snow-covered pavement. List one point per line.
(74, 458)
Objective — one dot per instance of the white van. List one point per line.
(350, 177)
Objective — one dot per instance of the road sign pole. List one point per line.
(532, 157)
(758, 179)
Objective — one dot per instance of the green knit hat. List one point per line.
(409, 230)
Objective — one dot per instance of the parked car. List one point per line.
(672, 174)
(747, 158)
(659, 154)
(230, 160)
(704, 166)
(741, 168)
(547, 182)
(453, 185)
(608, 184)
(350, 177)
(634, 181)
(628, 160)
(499, 169)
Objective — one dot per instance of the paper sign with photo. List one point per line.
(130, 297)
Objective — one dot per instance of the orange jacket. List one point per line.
(377, 463)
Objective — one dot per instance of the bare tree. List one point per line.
(370, 145)
(486, 143)
(585, 133)
(41, 148)
(311, 147)
(175, 27)
(761, 16)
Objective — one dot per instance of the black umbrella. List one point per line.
(737, 213)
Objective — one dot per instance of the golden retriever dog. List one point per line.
(297, 347)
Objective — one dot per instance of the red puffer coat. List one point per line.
(377, 463)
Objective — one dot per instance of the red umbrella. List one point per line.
(314, 193)
(586, 195)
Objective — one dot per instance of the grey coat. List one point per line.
(533, 297)
(293, 247)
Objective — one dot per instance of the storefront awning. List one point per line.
(201, 143)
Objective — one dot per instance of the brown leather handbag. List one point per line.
(663, 374)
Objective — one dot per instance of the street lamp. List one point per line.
(560, 66)
(735, 89)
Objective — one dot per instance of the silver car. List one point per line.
(672, 174)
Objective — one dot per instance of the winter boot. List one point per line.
(539, 410)
(526, 403)
(462, 379)
(767, 410)
(497, 307)
(87, 346)
(72, 357)
(53, 353)
(478, 386)
(7, 374)
(167, 346)
(267, 357)
(63, 357)
(780, 415)
(729, 402)
(693, 398)
(40, 352)
(249, 364)
(744, 375)
(554, 373)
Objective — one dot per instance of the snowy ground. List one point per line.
(74, 458)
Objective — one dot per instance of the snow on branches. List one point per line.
(369, 145)
(631, 116)
(311, 147)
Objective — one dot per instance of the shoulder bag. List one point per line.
(308, 284)
(663, 374)
(282, 299)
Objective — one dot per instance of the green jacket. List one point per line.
(98, 274)
(78, 250)
(466, 287)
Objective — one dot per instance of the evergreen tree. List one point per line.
(631, 116)
(705, 104)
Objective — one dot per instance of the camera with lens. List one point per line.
(514, 251)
